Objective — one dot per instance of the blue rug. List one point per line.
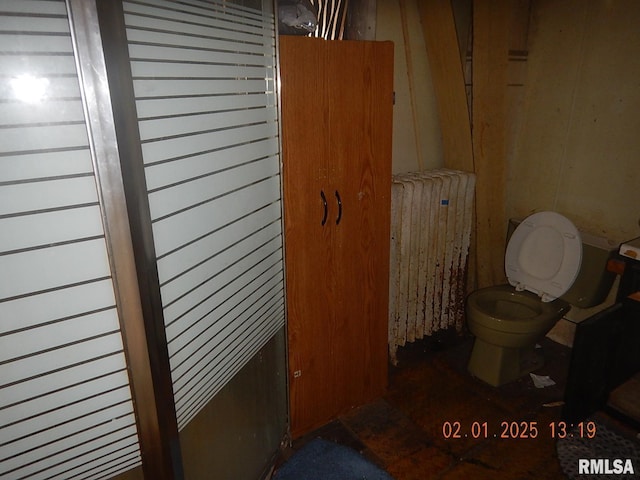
(324, 460)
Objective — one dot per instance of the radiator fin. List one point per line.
(431, 218)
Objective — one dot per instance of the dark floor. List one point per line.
(430, 390)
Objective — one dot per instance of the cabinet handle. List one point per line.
(339, 208)
(324, 203)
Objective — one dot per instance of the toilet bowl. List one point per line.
(542, 261)
(504, 316)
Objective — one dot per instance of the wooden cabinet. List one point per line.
(337, 102)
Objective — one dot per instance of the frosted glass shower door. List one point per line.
(204, 83)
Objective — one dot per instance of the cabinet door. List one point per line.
(360, 118)
(308, 243)
(336, 131)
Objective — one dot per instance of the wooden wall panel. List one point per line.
(441, 41)
(491, 20)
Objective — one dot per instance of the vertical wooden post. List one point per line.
(441, 40)
(491, 19)
(447, 70)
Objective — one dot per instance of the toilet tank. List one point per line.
(594, 281)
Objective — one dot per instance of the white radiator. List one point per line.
(431, 216)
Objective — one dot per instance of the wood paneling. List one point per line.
(491, 22)
(441, 40)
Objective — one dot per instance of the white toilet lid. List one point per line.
(544, 255)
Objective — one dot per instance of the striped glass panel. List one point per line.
(203, 74)
(65, 402)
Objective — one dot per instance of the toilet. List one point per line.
(543, 259)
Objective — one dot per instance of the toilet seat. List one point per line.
(544, 255)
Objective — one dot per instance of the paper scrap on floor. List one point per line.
(541, 381)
